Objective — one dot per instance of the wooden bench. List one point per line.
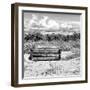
(45, 54)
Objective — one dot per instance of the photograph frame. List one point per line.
(15, 41)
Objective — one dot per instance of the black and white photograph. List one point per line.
(49, 44)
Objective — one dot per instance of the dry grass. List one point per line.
(69, 64)
(52, 68)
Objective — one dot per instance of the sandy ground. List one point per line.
(61, 68)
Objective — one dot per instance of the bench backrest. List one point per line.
(46, 54)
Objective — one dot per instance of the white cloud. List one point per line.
(53, 24)
(66, 25)
(33, 21)
(63, 25)
(45, 23)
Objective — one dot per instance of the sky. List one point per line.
(46, 21)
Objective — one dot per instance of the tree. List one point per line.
(38, 36)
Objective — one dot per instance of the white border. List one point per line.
(23, 81)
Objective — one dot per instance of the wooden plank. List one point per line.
(45, 55)
(45, 59)
(45, 50)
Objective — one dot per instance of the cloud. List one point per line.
(45, 23)
(53, 24)
(66, 25)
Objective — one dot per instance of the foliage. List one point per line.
(50, 37)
